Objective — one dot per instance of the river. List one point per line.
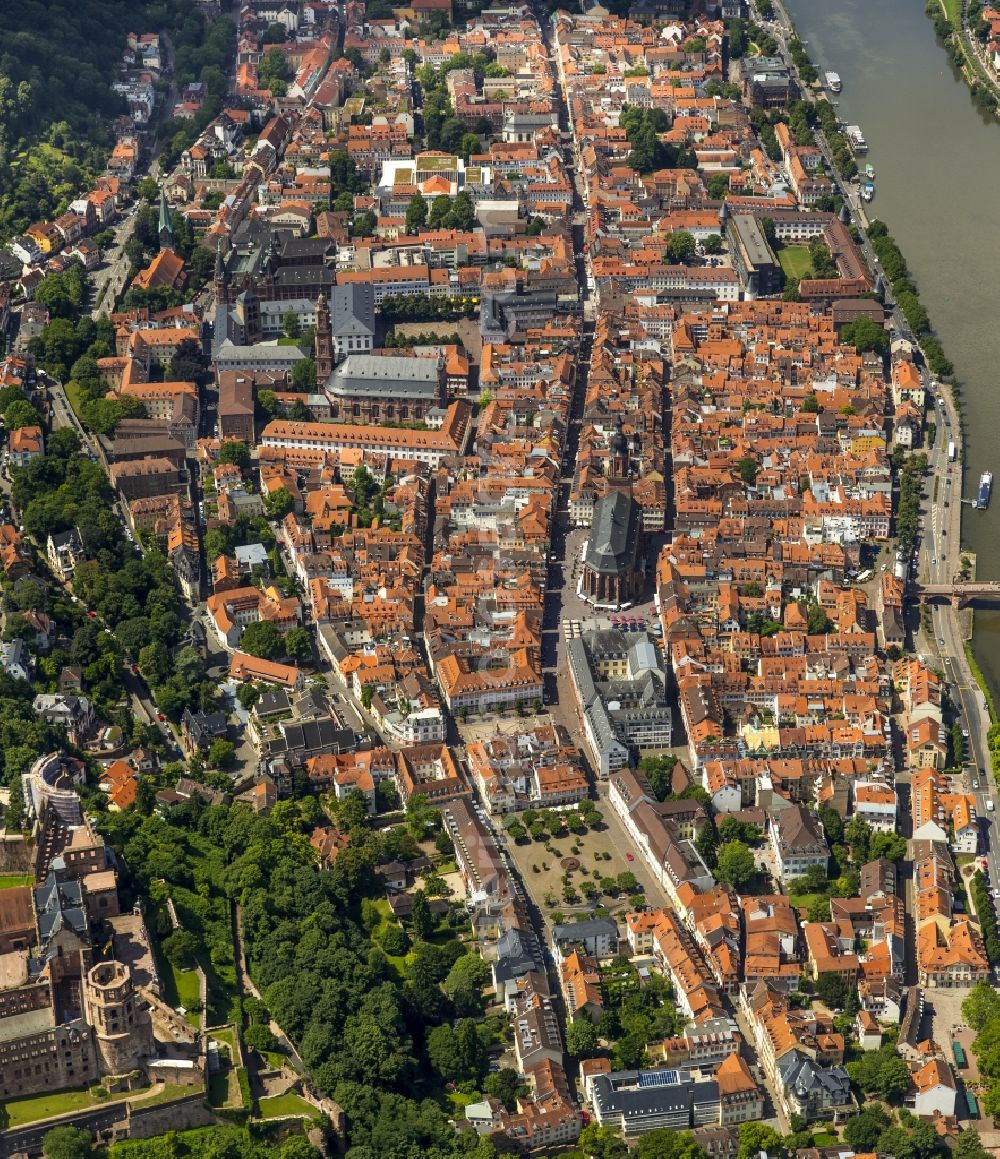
(937, 164)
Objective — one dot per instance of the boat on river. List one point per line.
(856, 139)
(868, 191)
(985, 488)
(870, 171)
(833, 82)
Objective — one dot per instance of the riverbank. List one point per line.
(951, 20)
(878, 243)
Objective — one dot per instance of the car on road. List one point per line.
(975, 783)
(629, 857)
(941, 640)
(160, 717)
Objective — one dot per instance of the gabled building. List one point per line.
(798, 842)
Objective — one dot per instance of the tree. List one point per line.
(757, 1137)
(465, 981)
(810, 404)
(154, 662)
(891, 846)
(581, 1037)
(298, 644)
(680, 246)
(863, 1131)
(248, 695)
(21, 413)
(881, 1072)
(292, 325)
(667, 1143)
(734, 864)
(865, 335)
(187, 364)
(981, 1005)
(304, 375)
(274, 72)
(221, 753)
(364, 224)
(421, 918)
(180, 948)
(262, 639)
(597, 1141)
(713, 244)
(67, 1143)
(968, 1145)
(444, 1053)
(507, 1084)
(818, 623)
(278, 503)
(416, 213)
(659, 772)
(260, 1038)
(747, 469)
(235, 452)
(832, 989)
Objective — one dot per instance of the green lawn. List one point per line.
(795, 261)
(953, 10)
(287, 1104)
(805, 900)
(44, 1106)
(459, 1101)
(72, 389)
(825, 1139)
(35, 1107)
(13, 880)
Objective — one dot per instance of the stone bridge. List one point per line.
(958, 594)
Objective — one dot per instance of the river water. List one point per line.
(937, 163)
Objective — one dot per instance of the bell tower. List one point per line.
(323, 341)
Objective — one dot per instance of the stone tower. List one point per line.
(324, 341)
(618, 465)
(123, 1030)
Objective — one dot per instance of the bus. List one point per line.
(971, 1105)
(951, 452)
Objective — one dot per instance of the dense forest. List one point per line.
(377, 1032)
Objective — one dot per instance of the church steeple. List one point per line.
(323, 341)
(166, 225)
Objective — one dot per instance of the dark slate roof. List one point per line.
(387, 376)
(352, 310)
(59, 905)
(614, 536)
(579, 931)
(617, 1094)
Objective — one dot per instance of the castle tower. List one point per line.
(123, 1030)
(323, 341)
